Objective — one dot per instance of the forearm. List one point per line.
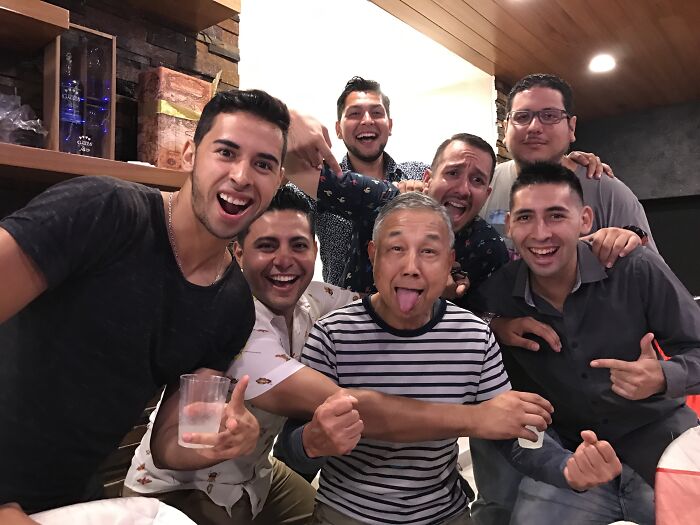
(544, 464)
(10, 514)
(406, 420)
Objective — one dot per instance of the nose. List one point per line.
(366, 116)
(283, 258)
(411, 263)
(535, 126)
(240, 175)
(542, 231)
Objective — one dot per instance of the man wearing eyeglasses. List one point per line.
(540, 126)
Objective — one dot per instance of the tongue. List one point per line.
(407, 299)
(231, 209)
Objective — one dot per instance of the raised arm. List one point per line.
(20, 280)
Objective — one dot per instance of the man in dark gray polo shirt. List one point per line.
(607, 375)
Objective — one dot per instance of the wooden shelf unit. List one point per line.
(191, 15)
(29, 25)
(20, 163)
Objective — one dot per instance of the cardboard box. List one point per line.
(170, 104)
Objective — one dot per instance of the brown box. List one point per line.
(170, 104)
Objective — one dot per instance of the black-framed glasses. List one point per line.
(545, 116)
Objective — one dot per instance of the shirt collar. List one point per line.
(588, 270)
(391, 168)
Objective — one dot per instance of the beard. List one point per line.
(366, 157)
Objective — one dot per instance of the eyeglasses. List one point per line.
(545, 116)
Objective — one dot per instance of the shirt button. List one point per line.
(584, 375)
(574, 345)
(605, 421)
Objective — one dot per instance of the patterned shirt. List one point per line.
(478, 248)
(410, 483)
(334, 231)
(268, 359)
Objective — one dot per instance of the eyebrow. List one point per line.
(461, 164)
(428, 236)
(361, 106)
(550, 209)
(233, 145)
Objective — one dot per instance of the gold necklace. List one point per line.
(171, 236)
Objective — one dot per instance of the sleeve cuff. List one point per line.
(675, 376)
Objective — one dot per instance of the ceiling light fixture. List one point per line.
(602, 63)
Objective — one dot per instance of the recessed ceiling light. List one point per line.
(602, 63)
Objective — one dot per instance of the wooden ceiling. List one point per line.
(656, 44)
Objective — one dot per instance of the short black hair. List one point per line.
(251, 101)
(472, 140)
(288, 197)
(361, 84)
(546, 173)
(543, 80)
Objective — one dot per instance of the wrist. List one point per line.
(307, 442)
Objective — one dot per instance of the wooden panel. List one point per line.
(44, 166)
(29, 25)
(656, 44)
(191, 15)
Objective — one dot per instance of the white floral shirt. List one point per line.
(268, 358)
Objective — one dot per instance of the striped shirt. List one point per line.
(452, 359)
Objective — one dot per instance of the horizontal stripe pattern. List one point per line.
(456, 360)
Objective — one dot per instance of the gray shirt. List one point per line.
(612, 201)
(605, 316)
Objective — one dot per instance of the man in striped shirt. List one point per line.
(407, 341)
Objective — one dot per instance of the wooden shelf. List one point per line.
(191, 15)
(29, 25)
(20, 163)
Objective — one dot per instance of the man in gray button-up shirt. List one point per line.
(606, 375)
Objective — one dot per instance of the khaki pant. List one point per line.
(325, 515)
(290, 502)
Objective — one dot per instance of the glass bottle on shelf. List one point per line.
(71, 104)
(97, 102)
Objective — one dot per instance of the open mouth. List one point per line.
(456, 209)
(543, 254)
(407, 298)
(283, 281)
(233, 205)
(366, 137)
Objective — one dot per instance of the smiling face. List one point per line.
(536, 141)
(364, 126)
(277, 258)
(460, 182)
(545, 223)
(236, 170)
(411, 259)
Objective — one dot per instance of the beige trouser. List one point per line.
(290, 502)
(325, 515)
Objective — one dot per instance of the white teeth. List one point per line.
(455, 204)
(233, 200)
(366, 136)
(543, 251)
(283, 278)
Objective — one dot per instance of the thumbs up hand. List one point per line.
(238, 434)
(636, 379)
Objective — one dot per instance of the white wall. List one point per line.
(304, 51)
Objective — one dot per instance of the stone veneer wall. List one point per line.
(502, 89)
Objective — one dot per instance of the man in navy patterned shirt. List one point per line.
(458, 179)
(364, 125)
